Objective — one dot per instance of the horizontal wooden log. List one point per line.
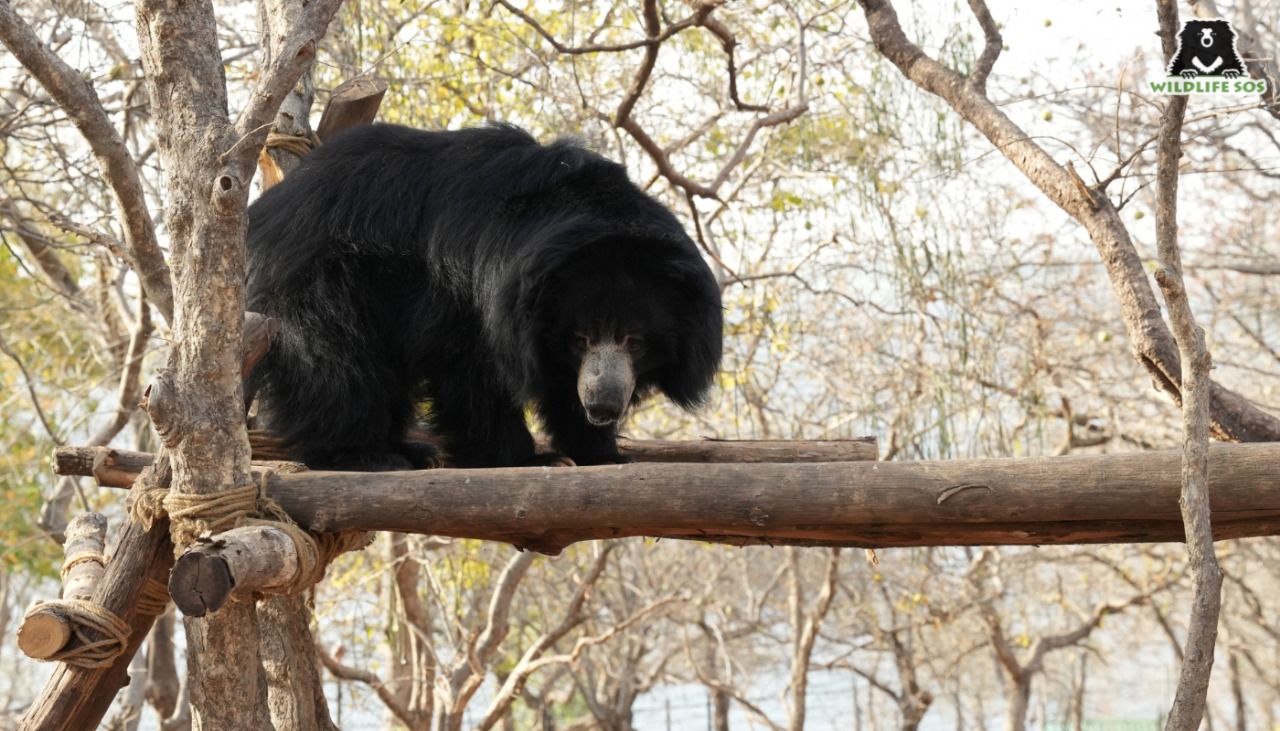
(248, 559)
(742, 451)
(1113, 498)
(119, 467)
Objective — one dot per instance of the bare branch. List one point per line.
(78, 101)
(806, 625)
(529, 661)
(46, 258)
(729, 43)
(500, 605)
(1202, 630)
(305, 24)
(1043, 645)
(370, 679)
(697, 18)
(663, 162)
(128, 391)
(1265, 269)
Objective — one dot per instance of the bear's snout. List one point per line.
(606, 379)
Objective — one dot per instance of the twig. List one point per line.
(31, 390)
(697, 18)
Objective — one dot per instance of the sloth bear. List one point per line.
(1206, 47)
(476, 271)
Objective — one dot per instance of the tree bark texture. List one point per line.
(295, 691)
(196, 404)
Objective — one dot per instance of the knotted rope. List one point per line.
(193, 516)
(82, 616)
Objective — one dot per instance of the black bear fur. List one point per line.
(476, 270)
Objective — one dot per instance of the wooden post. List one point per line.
(356, 101)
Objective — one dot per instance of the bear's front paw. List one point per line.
(550, 459)
(422, 455)
(614, 458)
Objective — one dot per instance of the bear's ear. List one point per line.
(700, 336)
(524, 290)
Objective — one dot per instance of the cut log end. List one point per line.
(200, 583)
(43, 633)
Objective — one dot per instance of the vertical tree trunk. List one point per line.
(720, 710)
(196, 404)
(295, 692)
(163, 685)
(1018, 692)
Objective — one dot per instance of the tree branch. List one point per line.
(46, 258)
(78, 101)
(806, 626)
(991, 47)
(305, 25)
(1043, 645)
(1202, 630)
(370, 679)
(31, 390)
(128, 391)
(529, 661)
(696, 19)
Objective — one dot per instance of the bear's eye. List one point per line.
(581, 343)
(634, 344)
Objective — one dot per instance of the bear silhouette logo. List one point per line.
(1206, 48)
